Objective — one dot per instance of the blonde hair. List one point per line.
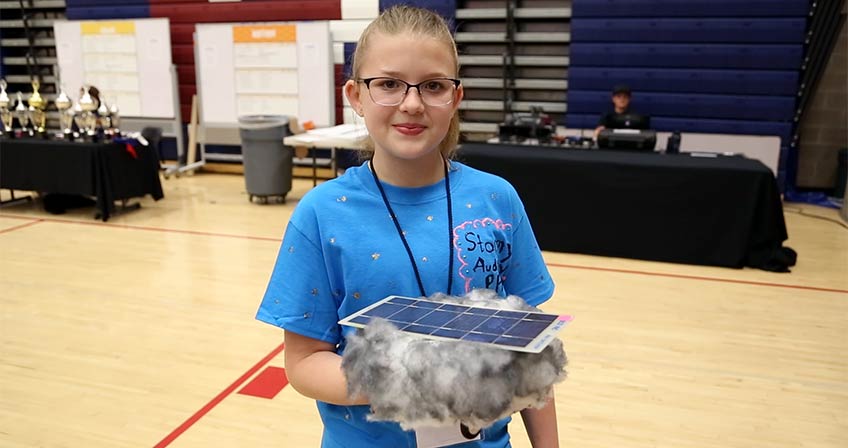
(419, 22)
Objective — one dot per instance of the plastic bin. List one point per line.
(267, 162)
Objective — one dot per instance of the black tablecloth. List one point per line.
(722, 211)
(106, 170)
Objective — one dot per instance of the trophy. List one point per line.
(105, 119)
(76, 115)
(115, 118)
(21, 113)
(37, 105)
(66, 115)
(89, 119)
(5, 113)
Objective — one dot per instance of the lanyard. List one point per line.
(403, 237)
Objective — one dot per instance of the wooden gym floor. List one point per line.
(140, 332)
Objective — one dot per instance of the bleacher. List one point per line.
(711, 66)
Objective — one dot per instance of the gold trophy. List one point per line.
(66, 115)
(5, 112)
(76, 114)
(37, 104)
(115, 118)
(21, 113)
(105, 119)
(88, 119)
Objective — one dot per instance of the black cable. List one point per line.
(403, 238)
(811, 215)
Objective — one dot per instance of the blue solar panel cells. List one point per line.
(448, 333)
(424, 304)
(466, 322)
(457, 308)
(362, 320)
(385, 310)
(480, 337)
(547, 318)
(437, 318)
(410, 314)
(512, 342)
(481, 311)
(458, 322)
(421, 329)
(496, 325)
(527, 329)
(512, 314)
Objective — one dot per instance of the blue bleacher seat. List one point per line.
(745, 82)
(108, 12)
(738, 107)
(706, 30)
(690, 8)
(773, 57)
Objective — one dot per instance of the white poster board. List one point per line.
(279, 68)
(129, 61)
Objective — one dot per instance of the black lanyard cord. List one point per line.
(403, 237)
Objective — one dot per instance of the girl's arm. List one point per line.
(315, 370)
(541, 425)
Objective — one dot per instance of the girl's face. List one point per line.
(412, 129)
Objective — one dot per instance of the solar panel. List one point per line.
(523, 331)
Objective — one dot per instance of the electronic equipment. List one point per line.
(629, 121)
(627, 139)
(672, 145)
(521, 126)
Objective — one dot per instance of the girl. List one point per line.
(408, 222)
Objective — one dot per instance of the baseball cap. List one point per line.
(621, 88)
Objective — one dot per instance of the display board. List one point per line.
(280, 68)
(129, 61)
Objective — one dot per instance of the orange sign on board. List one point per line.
(264, 33)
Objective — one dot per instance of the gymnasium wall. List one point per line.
(823, 129)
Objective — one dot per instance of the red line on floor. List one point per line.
(218, 399)
(267, 384)
(34, 222)
(624, 271)
(147, 228)
(696, 277)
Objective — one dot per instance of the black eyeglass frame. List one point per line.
(367, 82)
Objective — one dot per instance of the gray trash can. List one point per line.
(267, 162)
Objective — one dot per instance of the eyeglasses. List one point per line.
(392, 91)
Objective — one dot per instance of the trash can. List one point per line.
(267, 162)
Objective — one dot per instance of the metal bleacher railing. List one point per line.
(28, 47)
(513, 55)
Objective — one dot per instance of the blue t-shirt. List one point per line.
(341, 252)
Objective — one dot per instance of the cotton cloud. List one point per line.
(420, 382)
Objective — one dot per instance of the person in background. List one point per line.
(621, 95)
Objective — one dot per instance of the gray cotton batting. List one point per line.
(421, 382)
